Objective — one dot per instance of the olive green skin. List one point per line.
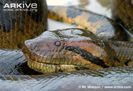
(123, 10)
(99, 25)
(44, 56)
(75, 49)
(18, 26)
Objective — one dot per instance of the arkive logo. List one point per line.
(20, 6)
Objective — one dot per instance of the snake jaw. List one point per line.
(64, 52)
(68, 54)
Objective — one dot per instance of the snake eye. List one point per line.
(58, 43)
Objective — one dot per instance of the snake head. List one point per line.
(64, 50)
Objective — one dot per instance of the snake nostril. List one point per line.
(58, 43)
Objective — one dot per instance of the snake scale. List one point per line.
(89, 46)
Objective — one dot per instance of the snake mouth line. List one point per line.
(48, 68)
(64, 66)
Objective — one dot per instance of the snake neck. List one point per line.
(119, 53)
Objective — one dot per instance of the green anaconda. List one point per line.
(72, 49)
(97, 24)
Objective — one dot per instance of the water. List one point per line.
(76, 81)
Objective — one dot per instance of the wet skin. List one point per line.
(99, 25)
(66, 54)
(75, 49)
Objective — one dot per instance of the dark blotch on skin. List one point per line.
(86, 55)
(72, 13)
